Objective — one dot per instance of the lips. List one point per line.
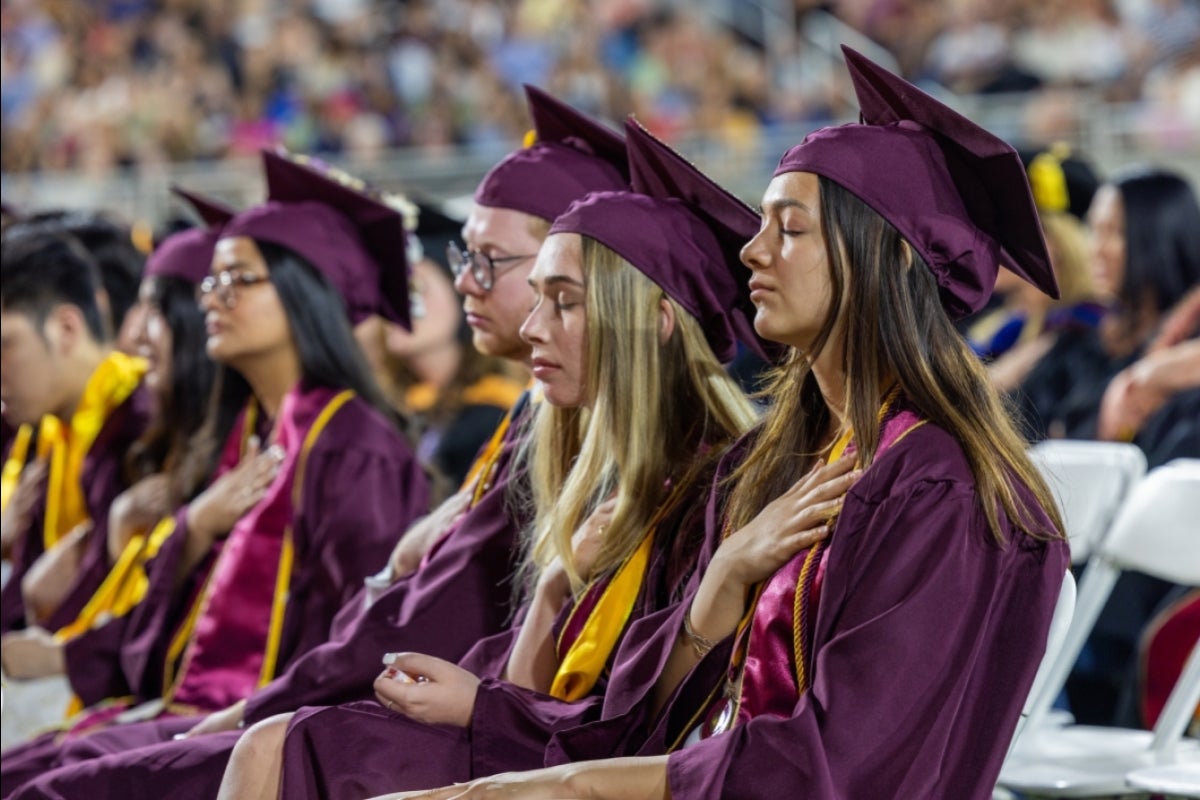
(758, 289)
(543, 368)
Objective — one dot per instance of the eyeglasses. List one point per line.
(483, 267)
(227, 285)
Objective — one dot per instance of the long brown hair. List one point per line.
(897, 333)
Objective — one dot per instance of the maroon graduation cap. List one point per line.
(957, 193)
(188, 254)
(681, 230)
(571, 156)
(355, 235)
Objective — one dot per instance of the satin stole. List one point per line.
(598, 618)
(66, 445)
(773, 657)
(236, 626)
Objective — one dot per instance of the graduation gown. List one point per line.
(363, 749)
(924, 645)
(102, 477)
(459, 595)
(360, 485)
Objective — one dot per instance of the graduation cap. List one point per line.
(682, 231)
(354, 234)
(188, 254)
(571, 156)
(957, 193)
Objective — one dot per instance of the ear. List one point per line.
(65, 329)
(666, 320)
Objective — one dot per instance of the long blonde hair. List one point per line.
(899, 333)
(654, 408)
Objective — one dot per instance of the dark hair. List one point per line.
(1162, 239)
(184, 402)
(897, 330)
(41, 269)
(328, 352)
(110, 243)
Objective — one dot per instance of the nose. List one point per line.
(465, 284)
(140, 324)
(754, 253)
(532, 331)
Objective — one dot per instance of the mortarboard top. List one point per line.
(354, 234)
(188, 254)
(957, 193)
(682, 231)
(571, 156)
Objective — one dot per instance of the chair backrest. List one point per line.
(1089, 480)
(1156, 531)
(1180, 707)
(1064, 611)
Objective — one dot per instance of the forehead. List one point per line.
(801, 187)
(236, 251)
(500, 227)
(560, 256)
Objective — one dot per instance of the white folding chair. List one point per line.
(1171, 780)
(1060, 623)
(1089, 480)
(1155, 532)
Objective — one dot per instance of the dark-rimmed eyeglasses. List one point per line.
(227, 285)
(483, 267)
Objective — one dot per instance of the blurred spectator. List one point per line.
(94, 86)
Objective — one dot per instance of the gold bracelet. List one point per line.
(700, 645)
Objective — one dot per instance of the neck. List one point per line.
(831, 379)
(271, 377)
(82, 366)
(437, 364)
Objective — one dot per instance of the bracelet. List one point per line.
(700, 645)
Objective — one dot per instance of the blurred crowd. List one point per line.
(95, 85)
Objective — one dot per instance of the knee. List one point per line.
(262, 741)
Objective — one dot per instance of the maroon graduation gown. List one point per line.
(362, 483)
(925, 644)
(103, 478)
(460, 594)
(362, 749)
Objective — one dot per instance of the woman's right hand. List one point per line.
(218, 508)
(585, 546)
(794, 521)
(415, 543)
(25, 496)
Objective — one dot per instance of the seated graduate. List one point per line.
(62, 375)
(169, 334)
(336, 477)
(1145, 257)
(889, 653)
(452, 570)
(633, 312)
(455, 394)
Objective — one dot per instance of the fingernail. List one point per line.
(179, 736)
(390, 658)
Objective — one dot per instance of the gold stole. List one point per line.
(67, 446)
(127, 582)
(587, 656)
(18, 456)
